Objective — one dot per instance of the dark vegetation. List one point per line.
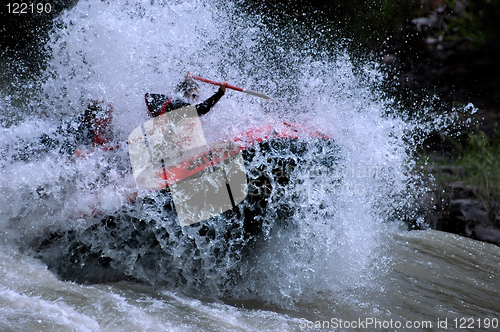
(440, 54)
(22, 36)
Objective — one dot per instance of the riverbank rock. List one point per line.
(457, 210)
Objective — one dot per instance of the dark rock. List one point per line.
(485, 233)
(468, 217)
(454, 207)
(468, 210)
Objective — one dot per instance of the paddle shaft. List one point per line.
(250, 92)
(216, 83)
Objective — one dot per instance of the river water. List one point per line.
(348, 262)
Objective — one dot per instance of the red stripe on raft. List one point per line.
(193, 165)
(260, 134)
(245, 140)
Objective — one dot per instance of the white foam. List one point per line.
(119, 50)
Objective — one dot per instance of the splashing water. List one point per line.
(119, 50)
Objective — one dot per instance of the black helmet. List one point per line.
(187, 85)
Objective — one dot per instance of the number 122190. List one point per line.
(28, 8)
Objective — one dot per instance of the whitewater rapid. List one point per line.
(348, 255)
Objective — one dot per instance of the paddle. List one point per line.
(250, 92)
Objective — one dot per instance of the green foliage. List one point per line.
(478, 165)
(481, 162)
(478, 22)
